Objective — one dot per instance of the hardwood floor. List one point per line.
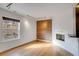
(37, 48)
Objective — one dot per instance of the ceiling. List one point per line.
(37, 10)
(30, 9)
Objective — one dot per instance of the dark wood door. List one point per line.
(77, 24)
(44, 29)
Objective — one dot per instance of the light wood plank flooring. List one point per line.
(37, 48)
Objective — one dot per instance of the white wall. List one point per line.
(28, 30)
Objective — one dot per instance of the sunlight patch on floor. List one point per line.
(38, 46)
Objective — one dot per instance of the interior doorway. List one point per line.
(44, 30)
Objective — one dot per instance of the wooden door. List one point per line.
(44, 29)
(77, 25)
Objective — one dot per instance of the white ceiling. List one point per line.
(32, 9)
(37, 10)
(24, 8)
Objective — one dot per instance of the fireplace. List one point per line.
(60, 37)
